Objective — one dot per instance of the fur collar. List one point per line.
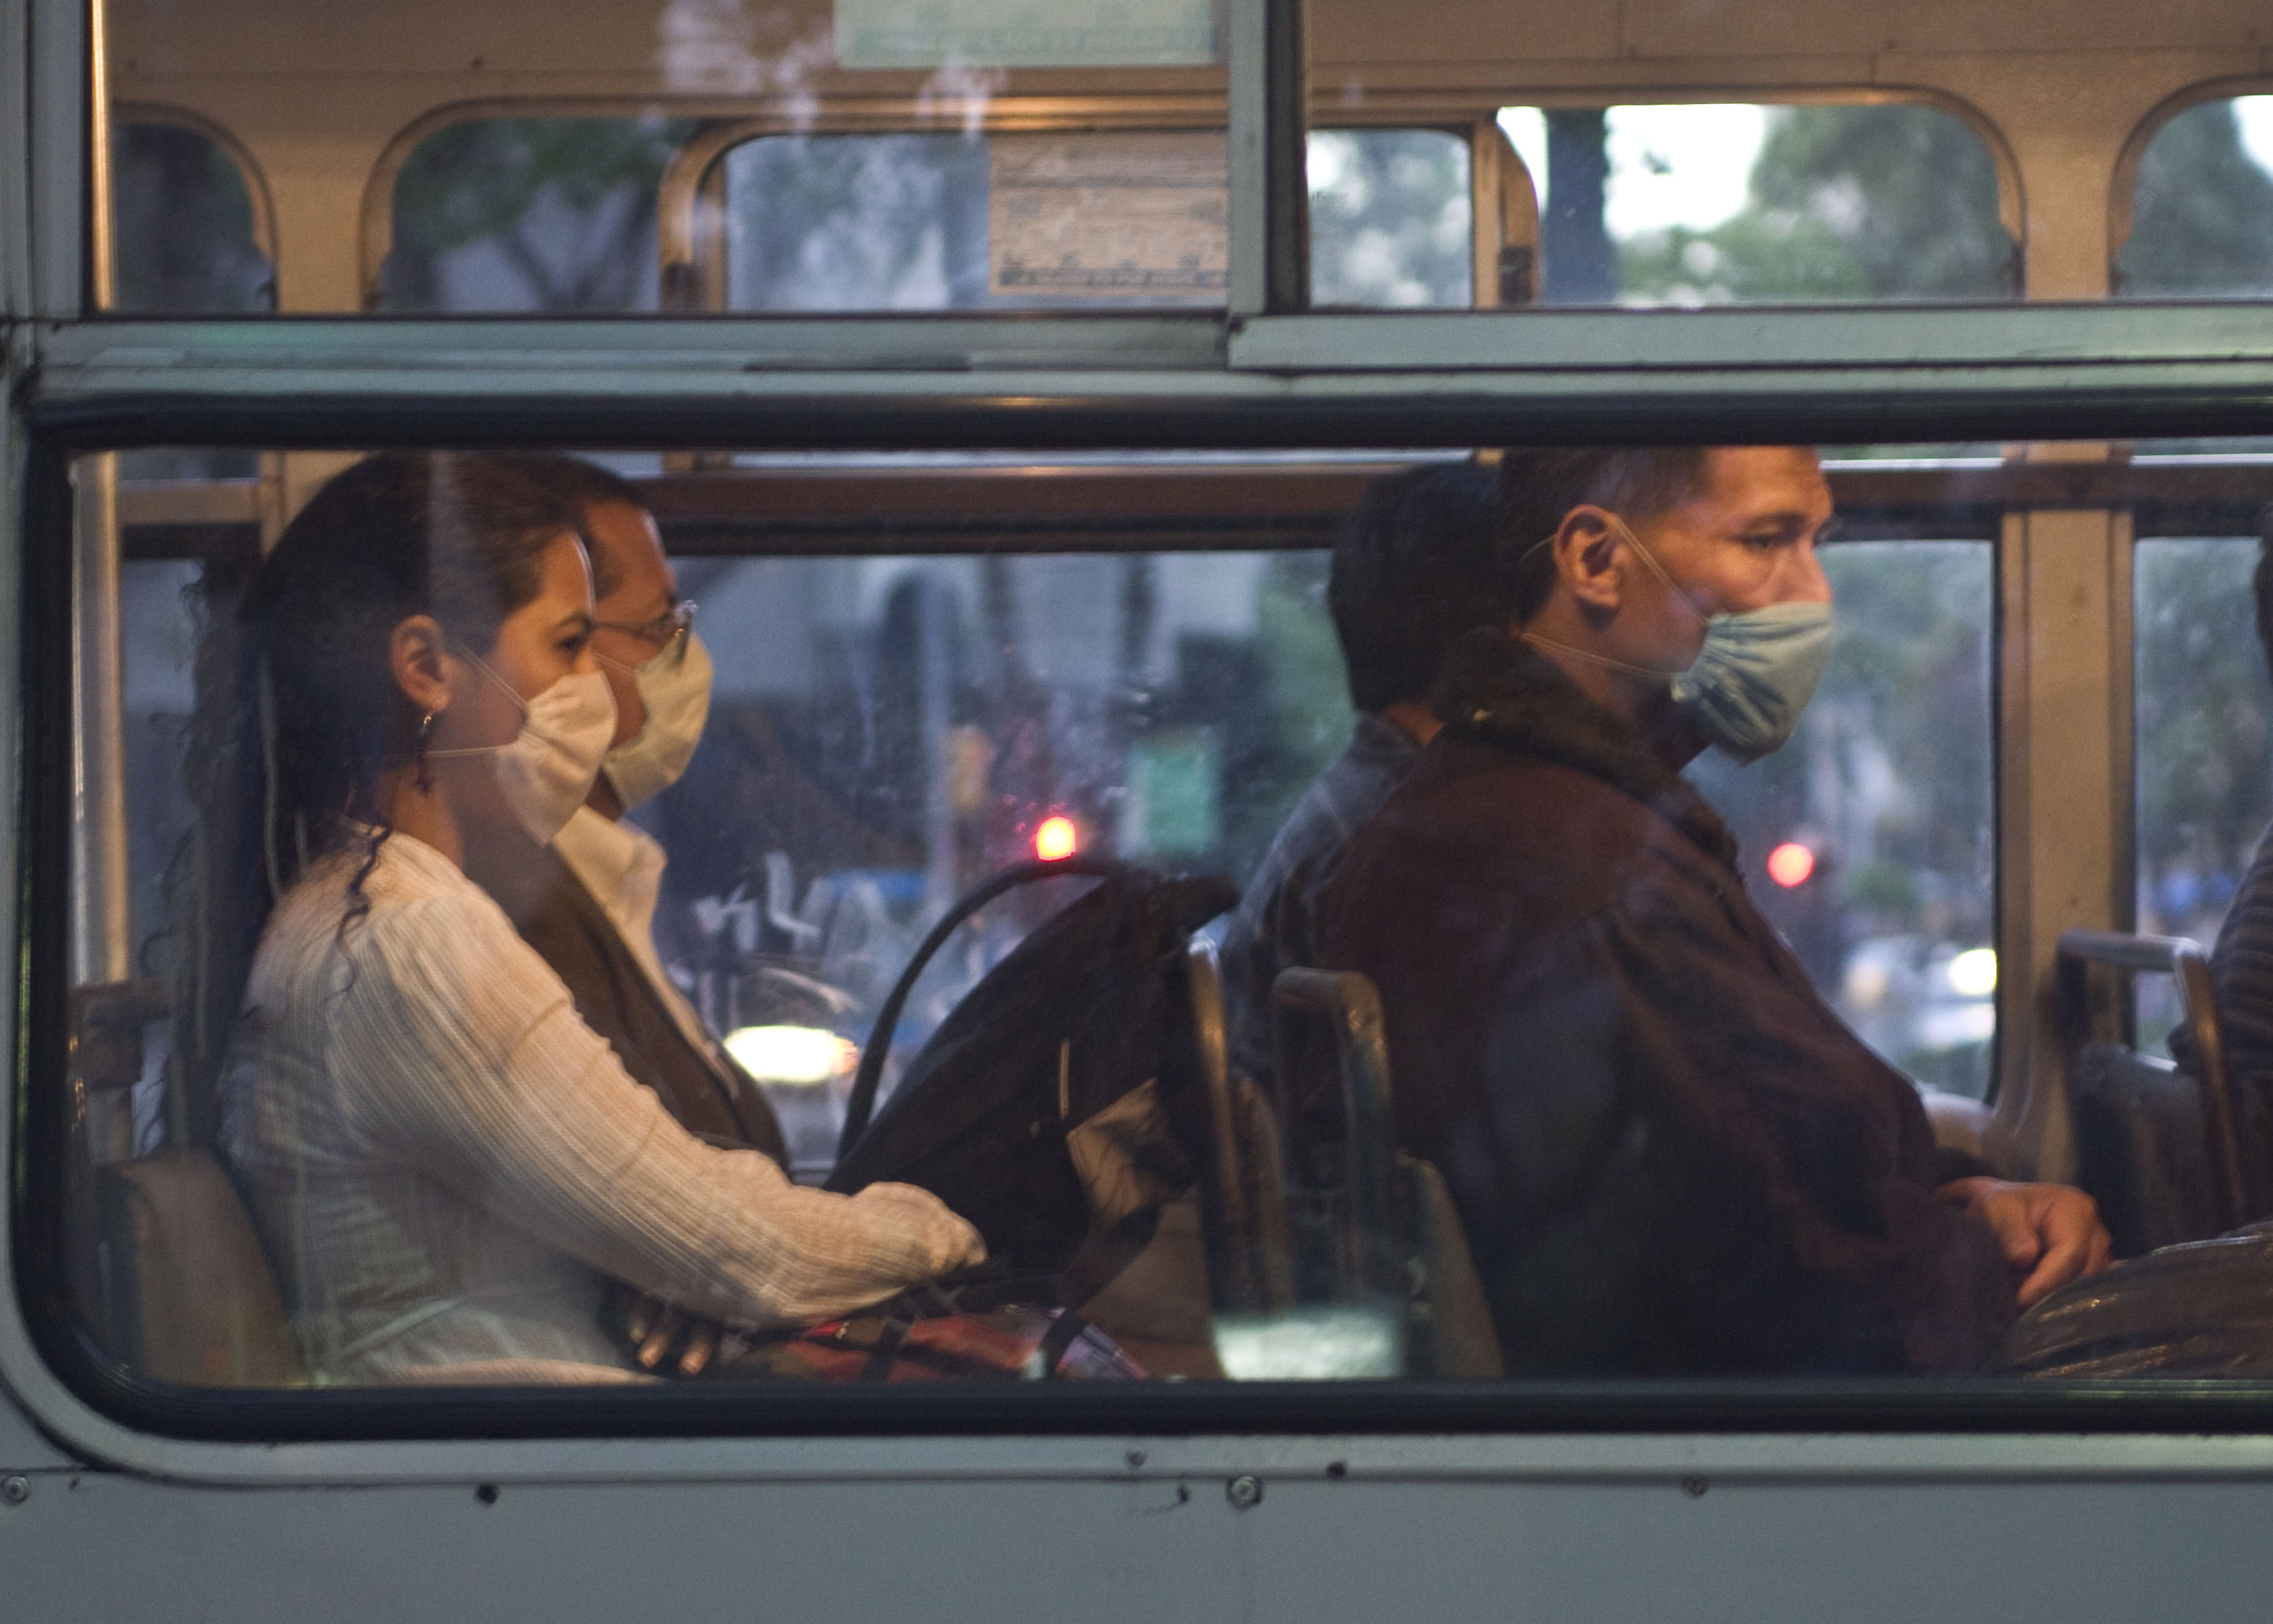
(1496, 691)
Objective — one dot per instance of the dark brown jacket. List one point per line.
(712, 1098)
(1670, 1156)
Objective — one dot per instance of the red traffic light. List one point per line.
(1791, 863)
(1055, 838)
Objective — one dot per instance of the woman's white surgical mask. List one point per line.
(548, 769)
(1755, 674)
(674, 687)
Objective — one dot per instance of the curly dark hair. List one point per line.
(297, 711)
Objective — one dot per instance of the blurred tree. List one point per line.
(2201, 218)
(1892, 201)
(858, 223)
(1388, 218)
(566, 207)
(181, 240)
(2202, 702)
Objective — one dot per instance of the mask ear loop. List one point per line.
(1625, 533)
(510, 692)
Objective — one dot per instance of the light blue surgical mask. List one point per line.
(1755, 674)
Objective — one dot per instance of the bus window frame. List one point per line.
(1781, 1405)
(1267, 375)
(2123, 186)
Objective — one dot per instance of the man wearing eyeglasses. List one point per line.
(587, 903)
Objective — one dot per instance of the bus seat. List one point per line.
(1960, 1123)
(1243, 1190)
(1373, 1222)
(2156, 1144)
(166, 1272)
(193, 1299)
(1210, 1249)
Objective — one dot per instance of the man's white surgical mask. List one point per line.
(547, 770)
(1753, 676)
(675, 688)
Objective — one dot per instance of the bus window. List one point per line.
(1744, 204)
(1390, 219)
(2204, 713)
(515, 163)
(1867, 840)
(916, 671)
(188, 239)
(552, 214)
(2201, 207)
(930, 222)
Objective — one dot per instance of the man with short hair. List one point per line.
(1411, 570)
(1670, 1157)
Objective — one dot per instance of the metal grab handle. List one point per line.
(1227, 1175)
(1353, 1005)
(2182, 959)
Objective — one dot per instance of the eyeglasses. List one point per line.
(668, 633)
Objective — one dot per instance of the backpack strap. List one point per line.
(862, 1105)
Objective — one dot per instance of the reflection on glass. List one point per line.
(1546, 1087)
(2204, 744)
(2202, 217)
(884, 222)
(183, 241)
(556, 215)
(1867, 839)
(1746, 204)
(1390, 219)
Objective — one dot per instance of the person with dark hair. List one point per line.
(587, 901)
(1411, 569)
(1668, 1155)
(445, 1163)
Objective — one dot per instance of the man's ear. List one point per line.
(1588, 559)
(416, 658)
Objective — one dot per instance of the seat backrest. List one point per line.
(2142, 1149)
(166, 1272)
(193, 1299)
(2156, 1145)
(1242, 1189)
(1380, 1222)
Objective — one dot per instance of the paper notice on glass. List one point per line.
(1110, 216)
(1025, 34)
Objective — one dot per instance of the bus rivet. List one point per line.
(16, 1490)
(1244, 1492)
(1693, 1487)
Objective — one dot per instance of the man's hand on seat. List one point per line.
(2050, 1231)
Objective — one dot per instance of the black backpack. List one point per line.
(1061, 1103)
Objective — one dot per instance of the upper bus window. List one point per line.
(1391, 218)
(928, 221)
(1749, 204)
(539, 146)
(2201, 213)
(187, 238)
(972, 220)
(554, 214)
